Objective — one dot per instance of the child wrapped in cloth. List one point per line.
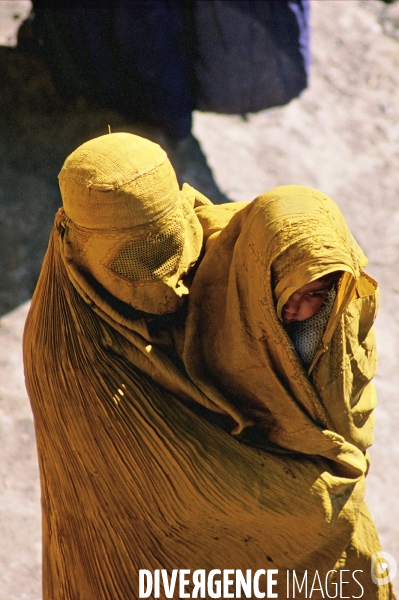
(233, 456)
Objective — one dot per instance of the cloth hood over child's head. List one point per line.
(310, 239)
(127, 224)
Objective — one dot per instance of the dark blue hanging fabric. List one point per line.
(156, 60)
(152, 34)
(251, 54)
(124, 55)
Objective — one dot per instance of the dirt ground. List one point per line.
(341, 136)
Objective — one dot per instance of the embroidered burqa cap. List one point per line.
(127, 223)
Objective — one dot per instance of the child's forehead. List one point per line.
(318, 285)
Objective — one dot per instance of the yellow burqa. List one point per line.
(133, 476)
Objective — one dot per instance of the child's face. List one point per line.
(305, 302)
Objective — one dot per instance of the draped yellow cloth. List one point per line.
(134, 476)
(235, 343)
(235, 340)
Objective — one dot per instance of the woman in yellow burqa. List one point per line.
(217, 446)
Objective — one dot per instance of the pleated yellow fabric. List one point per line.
(133, 477)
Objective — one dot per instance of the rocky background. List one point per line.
(341, 136)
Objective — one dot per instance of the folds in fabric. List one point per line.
(132, 478)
